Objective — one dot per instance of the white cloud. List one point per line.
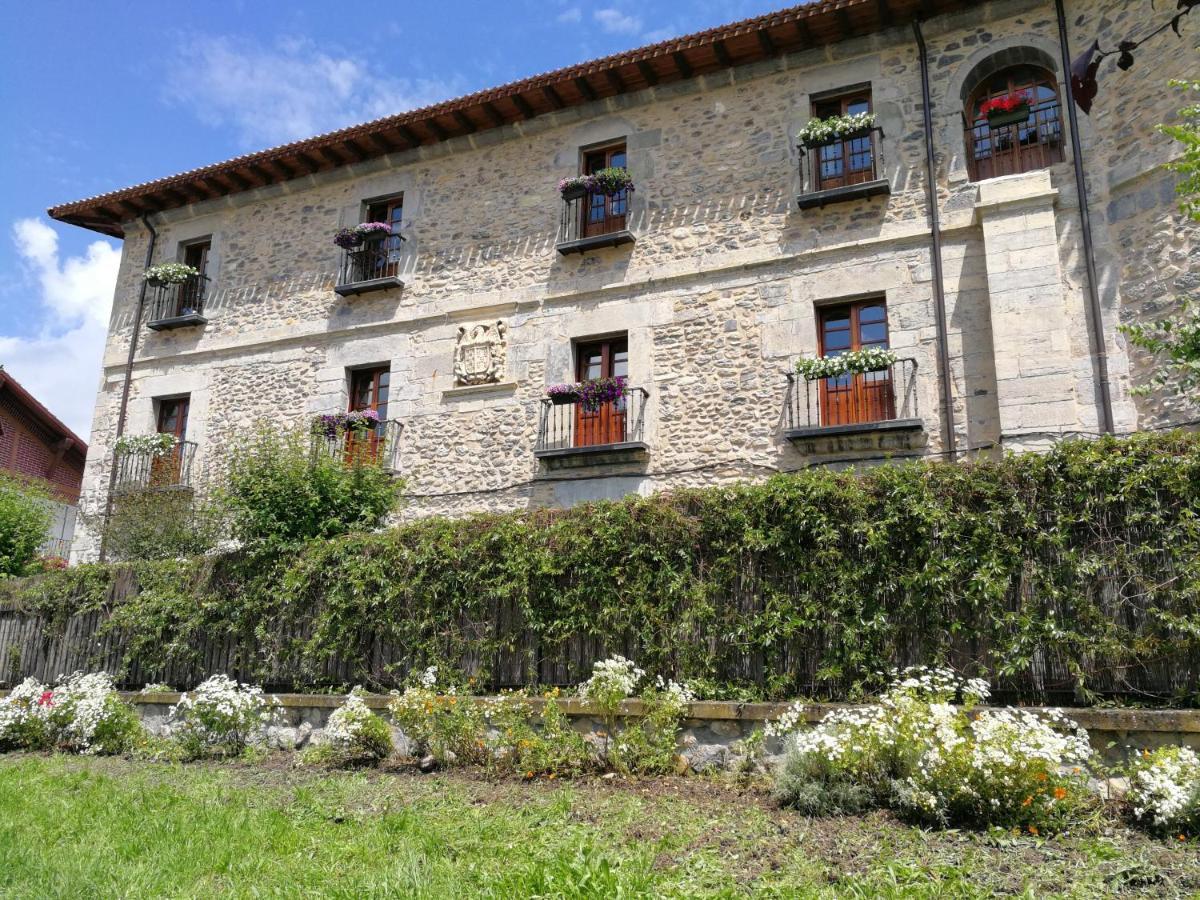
(616, 22)
(72, 298)
(289, 91)
(659, 34)
(571, 15)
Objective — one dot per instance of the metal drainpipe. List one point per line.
(935, 226)
(1096, 331)
(124, 408)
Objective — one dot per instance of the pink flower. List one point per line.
(46, 699)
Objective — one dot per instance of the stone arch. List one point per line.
(995, 60)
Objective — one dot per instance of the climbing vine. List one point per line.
(1061, 577)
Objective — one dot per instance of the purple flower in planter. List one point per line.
(597, 392)
(561, 390)
(347, 238)
(333, 424)
(368, 230)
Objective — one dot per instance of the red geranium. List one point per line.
(1005, 103)
(46, 699)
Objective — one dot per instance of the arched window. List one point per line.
(1026, 137)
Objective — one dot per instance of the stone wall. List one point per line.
(718, 294)
(710, 734)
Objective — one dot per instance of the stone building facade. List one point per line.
(727, 275)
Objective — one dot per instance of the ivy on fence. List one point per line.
(1062, 577)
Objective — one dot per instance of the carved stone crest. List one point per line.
(481, 354)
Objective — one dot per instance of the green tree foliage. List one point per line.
(1176, 341)
(282, 490)
(25, 519)
(160, 524)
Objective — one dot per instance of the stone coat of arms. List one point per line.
(480, 356)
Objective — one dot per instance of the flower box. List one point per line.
(591, 395)
(608, 181)
(1008, 109)
(1012, 117)
(562, 394)
(169, 273)
(823, 132)
(574, 192)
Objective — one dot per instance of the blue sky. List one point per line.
(98, 95)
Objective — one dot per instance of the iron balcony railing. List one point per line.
(57, 548)
(379, 445)
(599, 217)
(173, 302)
(372, 261)
(843, 162)
(858, 399)
(146, 469)
(1034, 143)
(566, 425)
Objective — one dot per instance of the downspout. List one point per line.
(1096, 329)
(123, 410)
(935, 228)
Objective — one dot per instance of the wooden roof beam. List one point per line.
(681, 63)
(287, 171)
(803, 33)
(768, 45)
(585, 88)
(351, 146)
(522, 106)
(462, 119)
(261, 174)
(886, 17)
(493, 113)
(381, 142)
(648, 72)
(615, 79)
(414, 139)
(722, 53)
(552, 95)
(333, 156)
(241, 182)
(437, 130)
(313, 164)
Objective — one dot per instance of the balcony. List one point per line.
(846, 168)
(593, 221)
(878, 408)
(570, 435)
(377, 446)
(374, 266)
(1035, 143)
(178, 305)
(152, 469)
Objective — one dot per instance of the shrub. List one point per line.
(450, 727)
(1164, 789)
(530, 743)
(221, 717)
(24, 524)
(920, 754)
(154, 525)
(23, 717)
(281, 491)
(353, 734)
(86, 715)
(649, 743)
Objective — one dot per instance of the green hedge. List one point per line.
(1063, 577)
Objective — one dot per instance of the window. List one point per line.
(173, 416)
(859, 398)
(169, 468)
(1033, 142)
(383, 259)
(601, 359)
(604, 214)
(196, 255)
(369, 390)
(844, 162)
(189, 298)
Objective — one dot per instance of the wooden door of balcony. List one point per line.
(602, 213)
(857, 398)
(368, 390)
(381, 257)
(606, 425)
(166, 468)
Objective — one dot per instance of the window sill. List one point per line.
(187, 321)
(879, 186)
(596, 242)
(365, 287)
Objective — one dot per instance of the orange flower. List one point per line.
(1026, 801)
(1033, 829)
(1060, 793)
(1182, 838)
(1041, 776)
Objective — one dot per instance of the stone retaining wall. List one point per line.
(713, 727)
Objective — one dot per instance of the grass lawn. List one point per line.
(91, 828)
